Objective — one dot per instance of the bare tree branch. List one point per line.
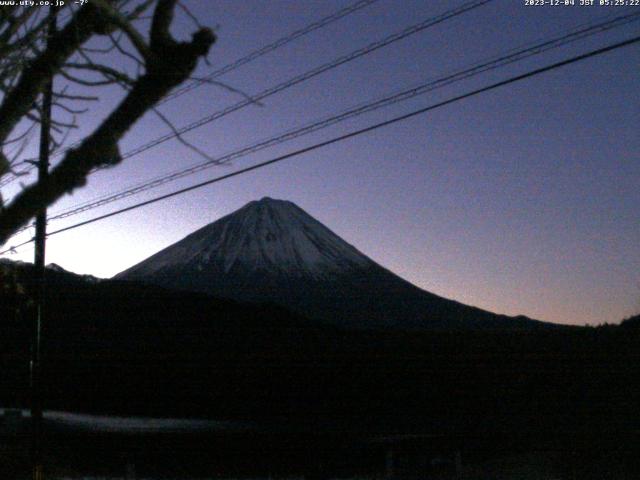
(167, 64)
(181, 138)
(123, 23)
(61, 46)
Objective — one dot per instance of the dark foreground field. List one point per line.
(325, 399)
(322, 456)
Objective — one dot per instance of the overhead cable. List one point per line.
(432, 84)
(372, 47)
(346, 136)
(282, 41)
(268, 48)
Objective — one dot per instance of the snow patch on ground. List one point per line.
(112, 424)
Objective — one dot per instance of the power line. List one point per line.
(512, 56)
(269, 48)
(408, 31)
(281, 42)
(411, 30)
(352, 134)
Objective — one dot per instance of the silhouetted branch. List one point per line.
(166, 64)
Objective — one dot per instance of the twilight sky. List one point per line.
(523, 200)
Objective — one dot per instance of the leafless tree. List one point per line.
(93, 48)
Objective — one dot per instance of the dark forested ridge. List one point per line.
(123, 348)
(631, 322)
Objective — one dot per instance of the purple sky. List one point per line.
(523, 200)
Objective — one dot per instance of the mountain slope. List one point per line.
(272, 251)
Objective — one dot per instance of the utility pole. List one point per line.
(39, 262)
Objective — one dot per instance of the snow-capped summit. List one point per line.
(263, 236)
(273, 251)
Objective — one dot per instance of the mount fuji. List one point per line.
(272, 251)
